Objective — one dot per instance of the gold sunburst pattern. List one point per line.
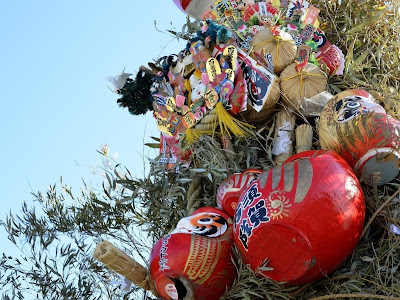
(277, 204)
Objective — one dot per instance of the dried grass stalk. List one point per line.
(304, 135)
(307, 82)
(117, 260)
(282, 48)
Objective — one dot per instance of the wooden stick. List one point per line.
(118, 261)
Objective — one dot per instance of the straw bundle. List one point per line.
(304, 135)
(282, 48)
(253, 117)
(307, 82)
(117, 260)
(284, 125)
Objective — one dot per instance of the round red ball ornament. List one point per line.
(356, 127)
(194, 261)
(299, 221)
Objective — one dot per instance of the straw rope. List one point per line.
(208, 123)
(363, 296)
(192, 195)
(118, 261)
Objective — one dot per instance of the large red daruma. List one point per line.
(194, 8)
(356, 127)
(301, 220)
(194, 262)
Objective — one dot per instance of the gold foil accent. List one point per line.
(202, 259)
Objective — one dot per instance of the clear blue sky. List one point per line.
(56, 108)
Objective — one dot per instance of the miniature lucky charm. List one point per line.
(194, 261)
(356, 127)
(299, 221)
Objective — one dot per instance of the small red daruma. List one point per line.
(194, 262)
(194, 8)
(356, 127)
(299, 221)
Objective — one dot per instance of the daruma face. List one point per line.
(356, 127)
(194, 260)
(301, 220)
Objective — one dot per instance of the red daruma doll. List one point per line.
(356, 127)
(194, 262)
(230, 189)
(299, 221)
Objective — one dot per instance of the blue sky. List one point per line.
(56, 107)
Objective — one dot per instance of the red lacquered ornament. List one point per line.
(356, 127)
(333, 57)
(194, 8)
(301, 220)
(230, 189)
(194, 261)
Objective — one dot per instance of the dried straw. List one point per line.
(282, 48)
(117, 260)
(193, 195)
(285, 121)
(307, 82)
(304, 135)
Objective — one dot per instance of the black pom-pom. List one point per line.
(136, 94)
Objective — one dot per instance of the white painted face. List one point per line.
(206, 224)
(352, 106)
(198, 88)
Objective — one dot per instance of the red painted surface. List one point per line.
(204, 262)
(230, 189)
(300, 220)
(352, 124)
(332, 57)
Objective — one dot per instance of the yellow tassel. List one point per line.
(192, 135)
(228, 123)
